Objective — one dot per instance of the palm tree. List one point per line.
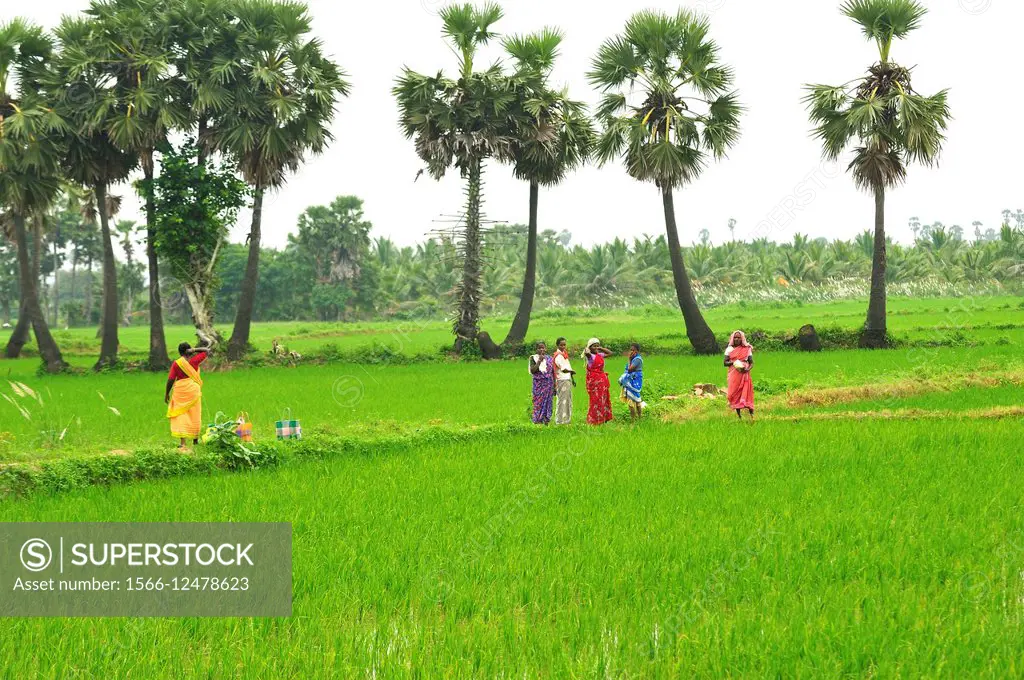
(151, 96)
(88, 98)
(284, 96)
(687, 113)
(892, 124)
(556, 137)
(201, 34)
(31, 133)
(461, 123)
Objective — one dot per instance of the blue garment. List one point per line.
(633, 381)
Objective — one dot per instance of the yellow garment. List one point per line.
(185, 409)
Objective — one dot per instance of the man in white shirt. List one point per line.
(564, 383)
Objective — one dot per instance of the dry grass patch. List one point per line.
(991, 413)
(902, 389)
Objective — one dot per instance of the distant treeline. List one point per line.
(332, 269)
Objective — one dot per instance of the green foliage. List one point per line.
(221, 438)
(31, 132)
(195, 204)
(684, 109)
(282, 90)
(286, 282)
(881, 112)
(336, 240)
(555, 135)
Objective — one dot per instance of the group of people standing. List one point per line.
(554, 380)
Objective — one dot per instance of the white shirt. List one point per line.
(539, 362)
(562, 364)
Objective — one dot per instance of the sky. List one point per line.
(773, 182)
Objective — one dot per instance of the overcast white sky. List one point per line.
(970, 46)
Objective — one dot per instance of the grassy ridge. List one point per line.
(126, 410)
(704, 549)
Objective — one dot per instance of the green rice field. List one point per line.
(984, 319)
(867, 525)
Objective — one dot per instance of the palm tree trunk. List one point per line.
(697, 330)
(521, 324)
(47, 345)
(158, 359)
(874, 335)
(20, 335)
(74, 289)
(88, 292)
(202, 143)
(108, 347)
(56, 284)
(467, 325)
(247, 299)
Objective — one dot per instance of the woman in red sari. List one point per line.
(739, 357)
(597, 383)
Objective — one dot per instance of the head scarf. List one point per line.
(590, 343)
(743, 339)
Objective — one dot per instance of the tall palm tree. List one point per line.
(667, 107)
(891, 123)
(284, 96)
(31, 133)
(461, 123)
(555, 137)
(151, 96)
(202, 35)
(88, 98)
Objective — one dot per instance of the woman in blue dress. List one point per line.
(632, 382)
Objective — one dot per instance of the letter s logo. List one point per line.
(36, 554)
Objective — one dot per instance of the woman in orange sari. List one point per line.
(184, 394)
(739, 357)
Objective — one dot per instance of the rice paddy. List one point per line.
(867, 525)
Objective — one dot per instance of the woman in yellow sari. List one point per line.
(184, 395)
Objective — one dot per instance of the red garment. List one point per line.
(741, 386)
(598, 389)
(177, 374)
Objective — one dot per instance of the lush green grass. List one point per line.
(926, 319)
(706, 549)
(690, 545)
(345, 395)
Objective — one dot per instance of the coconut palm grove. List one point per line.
(508, 449)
